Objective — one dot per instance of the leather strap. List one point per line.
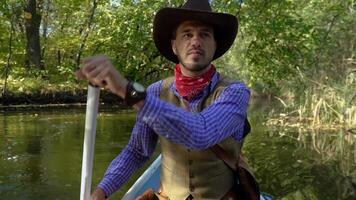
(221, 153)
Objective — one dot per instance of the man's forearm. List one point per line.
(224, 118)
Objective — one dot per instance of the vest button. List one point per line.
(190, 162)
(191, 188)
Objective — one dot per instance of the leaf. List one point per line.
(27, 15)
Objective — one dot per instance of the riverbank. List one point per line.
(325, 111)
(55, 100)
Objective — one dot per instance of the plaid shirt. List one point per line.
(192, 129)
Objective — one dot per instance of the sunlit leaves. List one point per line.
(275, 40)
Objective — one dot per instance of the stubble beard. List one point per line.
(194, 66)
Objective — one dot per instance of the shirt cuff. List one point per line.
(107, 186)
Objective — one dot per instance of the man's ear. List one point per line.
(174, 47)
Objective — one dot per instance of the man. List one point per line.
(189, 113)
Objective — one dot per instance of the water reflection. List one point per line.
(40, 156)
(296, 164)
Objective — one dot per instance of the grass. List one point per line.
(321, 107)
(320, 113)
(38, 85)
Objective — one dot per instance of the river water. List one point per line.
(41, 152)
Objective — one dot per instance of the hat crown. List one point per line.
(202, 5)
(168, 19)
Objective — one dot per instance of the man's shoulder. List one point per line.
(159, 85)
(167, 81)
(227, 81)
(155, 88)
(165, 84)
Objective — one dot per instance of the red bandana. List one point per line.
(189, 87)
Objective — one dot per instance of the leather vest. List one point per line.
(197, 172)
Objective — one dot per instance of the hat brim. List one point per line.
(167, 20)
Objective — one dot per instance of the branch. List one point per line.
(331, 25)
(86, 34)
(351, 71)
(352, 99)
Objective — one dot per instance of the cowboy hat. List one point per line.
(167, 20)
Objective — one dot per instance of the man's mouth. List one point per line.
(195, 52)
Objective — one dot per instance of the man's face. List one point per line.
(194, 45)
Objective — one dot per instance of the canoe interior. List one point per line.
(150, 179)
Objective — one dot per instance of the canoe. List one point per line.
(150, 179)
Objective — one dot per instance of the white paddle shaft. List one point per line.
(89, 141)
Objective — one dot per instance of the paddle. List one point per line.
(89, 141)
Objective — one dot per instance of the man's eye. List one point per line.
(205, 34)
(187, 35)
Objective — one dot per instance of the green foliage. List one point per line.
(282, 45)
(276, 38)
(302, 51)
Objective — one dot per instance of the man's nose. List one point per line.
(196, 41)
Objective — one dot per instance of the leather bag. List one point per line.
(245, 186)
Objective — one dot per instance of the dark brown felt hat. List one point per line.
(167, 20)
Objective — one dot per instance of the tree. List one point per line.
(33, 22)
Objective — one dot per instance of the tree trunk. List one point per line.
(45, 27)
(86, 33)
(59, 54)
(7, 66)
(33, 21)
(59, 58)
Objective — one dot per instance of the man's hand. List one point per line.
(98, 194)
(99, 71)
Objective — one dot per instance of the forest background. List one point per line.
(300, 53)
